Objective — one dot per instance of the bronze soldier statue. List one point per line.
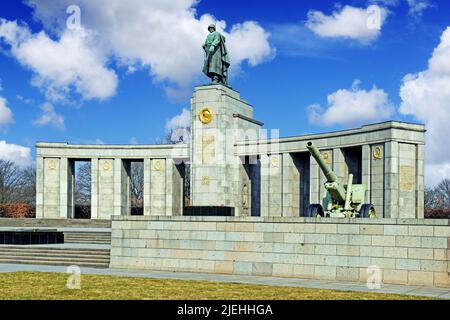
(217, 60)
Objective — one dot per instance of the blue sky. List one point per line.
(306, 66)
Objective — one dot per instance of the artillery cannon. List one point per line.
(342, 201)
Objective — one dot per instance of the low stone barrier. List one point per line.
(406, 251)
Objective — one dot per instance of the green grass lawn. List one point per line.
(52, 286)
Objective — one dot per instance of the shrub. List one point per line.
(437, 213)
(17, 210)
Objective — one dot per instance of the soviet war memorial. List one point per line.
(255, 191)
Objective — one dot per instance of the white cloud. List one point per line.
(60, 66)
(50, 117)
(249, 41)
(434, 173)
(179, 126)
(6, 115)
(417, 7)
(24, 100)
(353, 107)
(426, 95)
(15, 153)
(162, 36)
(182, 120)
(363, 25)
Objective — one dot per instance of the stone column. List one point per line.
(94, 188)
(121, 188)
(314, 188)
(265, 182)
(420, 181)
(169, 186)
(366, 172)
(339, 165)
(52, 190)
(391, 201)
(158, 187)
(39, 187)
(147, 184)
(275, 185)
(64, 188)
(407, 180)
(126, 199)
(291, 187)
(106, 188)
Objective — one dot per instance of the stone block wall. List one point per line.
(407, 251)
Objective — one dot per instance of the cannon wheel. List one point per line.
(367, 211)
(315, 210)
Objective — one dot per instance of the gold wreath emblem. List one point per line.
(205, 181)
(205, 115)
(276, 161)
(106, 166)
(377, 152)
(326, 157)
(52, 165)
(158, 165)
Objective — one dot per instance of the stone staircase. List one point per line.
(52, 255)
(87, 237)
(87, 243)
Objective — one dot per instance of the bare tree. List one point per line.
(137, 184)
(82, 192)
(10, 182)
(432, 199)
(28, 186)
(443, 193)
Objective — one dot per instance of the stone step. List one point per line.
(86, 236)
(58, 258)
(87, 241)
(53, 254)
(57, 263)
(54, 223)
(49, 255)
(49, 247)
(89, 238)
(88, 233)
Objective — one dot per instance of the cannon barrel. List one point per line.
(335, 189)
(329, 174)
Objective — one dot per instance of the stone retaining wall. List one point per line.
(408, 251)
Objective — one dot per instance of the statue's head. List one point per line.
(212, 28)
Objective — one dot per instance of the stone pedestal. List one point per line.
(218, 178)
